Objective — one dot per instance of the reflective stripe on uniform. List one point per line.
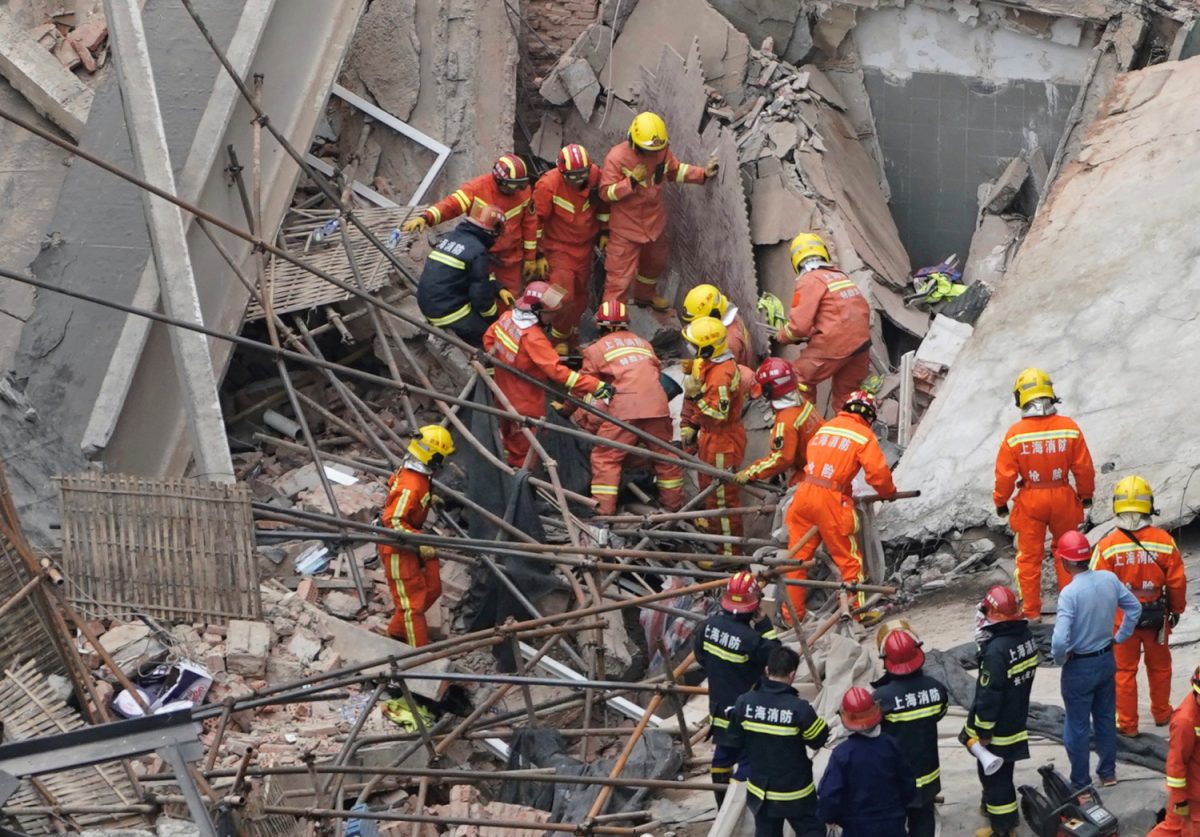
(489, 312)
(611, 193)
(397, 521)
(681, 174)
(718, 723)
(1024, 665)
(461, 198)
(770, 729)
(1042, 436)
(565, 204)
(624, 351)
(671, 483)
(447, 259)
(982, 725)
(453, 316)
(782, 796)
(647, 280)
(607, 490)
(1148, 546)
(814, 729)
(504, 337)
(572, 380)
(915, 714)
(1005, 740)
(804, 414)
(436, 214)
(722, 654)
(1007, 808)
(1176, 782)
(841, 285)
(922, 781)
(844, 433)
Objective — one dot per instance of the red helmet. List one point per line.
(1073, 547)
(777, 377)
(861, 402)
(612, 312)
(487, 216)
(540, 296)
(510, 170)
(901, 653)
(860, 712)
(573, 159)
(742, 594)
(1000, 604)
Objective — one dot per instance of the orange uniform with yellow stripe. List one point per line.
(1183, 771)
(569, 221)
(629, 363)
(638, 245)
(527, 348)
(793, 429)
(837, 451)
(1043, 453)
(517, 242)
(721, 439)
(1148, 562)
(414, 584)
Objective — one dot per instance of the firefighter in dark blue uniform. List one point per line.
(772, 726)
(1008, 658)
(732, 647)
(457, 290)
(912, 703)
(868, 785)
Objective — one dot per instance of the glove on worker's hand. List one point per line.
(415, 225)
(692, 387)
(605, 391)
(711, 168)
(687, 435)
(542, 269)
(1173, 619)
(529, 270)
(1002, 510)
(602, 242)
(506, 297)
(1181, 809)
(638, 174)
(426, 552)
(741, 477)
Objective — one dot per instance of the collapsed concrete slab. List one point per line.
(1102, 295)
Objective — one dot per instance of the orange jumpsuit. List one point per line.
(1183, 771)
(638, 244)
(1153, 572)
(795, 425)
(569, 221)
(837, 451)
(527, 348)
(830, 313)
(737, 338)
(414, 584)
(630, 365)
(1042, 450)
(516, 244)
(721, 436)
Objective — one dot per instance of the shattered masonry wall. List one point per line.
(1103, 296)
(557, 23)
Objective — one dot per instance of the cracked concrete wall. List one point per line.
(1101, 295)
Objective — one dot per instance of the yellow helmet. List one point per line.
(434, 441)
(704, 301)
(707, 334)
(1031, 384)
(648, 131)
(1133, 494)
(806, 246)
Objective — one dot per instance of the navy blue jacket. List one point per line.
(456, 280)
(733, 652)
(912, 706)
(1008, 661)
(866, 787)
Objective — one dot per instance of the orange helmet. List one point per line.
(511, 171)
(859, 710)
(486, 216)
(1000, 604)
(742, 594)
(901, 653)
(612, 313)
(1073, 547)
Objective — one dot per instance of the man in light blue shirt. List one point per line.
(1082, 644)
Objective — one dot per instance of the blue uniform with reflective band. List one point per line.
(774, 727)
(912, 705)
(733, 653)
(867, 787)
(456, 287)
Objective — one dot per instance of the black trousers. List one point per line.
(1000, 797)
(805, 824)
(922, 822)
(471, 328)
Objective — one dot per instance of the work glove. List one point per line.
(602, 242)
(742, 477)
(686, 365)
(711, 167)
(1173, 619)
(542, 267)
(426, 552)
(660, 171)
(1086, 525)
(687, 435)
(692, 387)
(506, 297)
(1181, 809)
(415, 225)
(605, 391)
(529, 270)
(637, 176)
(1002, 510)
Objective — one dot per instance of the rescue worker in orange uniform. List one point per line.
(714, 387)
(707, 301)
(571, 221)
(1042, 449)
(796, 422)
(632, 183)
(831, 314)
(1183, 768)
(1147, 561)
(837, 451)
(628, 362)
(413, 577)
(519, 339)
(505, 187)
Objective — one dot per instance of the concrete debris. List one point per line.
(246, 647)
(997, 196)
(51, 88)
